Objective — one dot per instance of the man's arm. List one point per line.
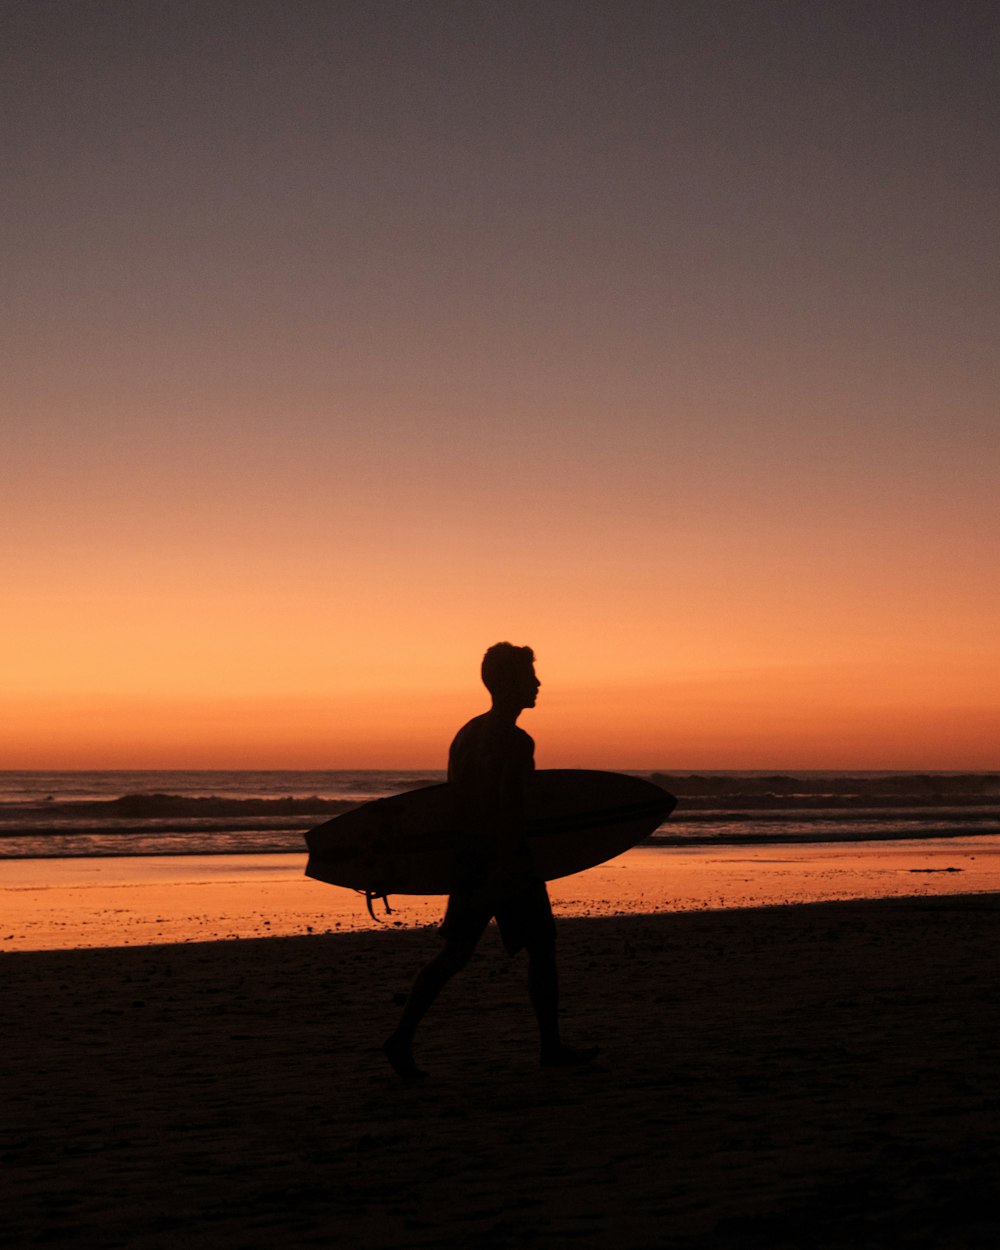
(510, 814)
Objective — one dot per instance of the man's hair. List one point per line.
(501, 662)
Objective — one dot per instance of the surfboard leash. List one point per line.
(370, 896)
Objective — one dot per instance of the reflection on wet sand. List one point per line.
(59, 904)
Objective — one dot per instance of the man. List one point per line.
(493, 875)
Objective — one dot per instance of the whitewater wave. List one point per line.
(724, 808)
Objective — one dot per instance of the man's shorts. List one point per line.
(524, 918)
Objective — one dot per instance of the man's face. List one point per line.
(528, 687)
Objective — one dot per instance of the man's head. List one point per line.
(509, 674)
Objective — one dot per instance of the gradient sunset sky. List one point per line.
(344, 339)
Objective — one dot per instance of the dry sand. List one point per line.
(808, 1076)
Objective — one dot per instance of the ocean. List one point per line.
(174, 812)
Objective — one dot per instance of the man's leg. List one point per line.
(543, 986)
(526, 921)
(429, 983)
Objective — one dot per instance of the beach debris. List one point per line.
(937, 870)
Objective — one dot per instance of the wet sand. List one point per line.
(820, 1076)
(53, 904)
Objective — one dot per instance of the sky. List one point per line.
(345, 339)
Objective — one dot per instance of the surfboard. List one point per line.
(402, 844)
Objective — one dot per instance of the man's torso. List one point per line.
(489, 764)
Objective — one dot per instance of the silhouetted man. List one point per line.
(492, 872)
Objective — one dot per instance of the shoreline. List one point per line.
(819, 838)
(818, 1075)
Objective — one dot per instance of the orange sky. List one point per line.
(411, 333)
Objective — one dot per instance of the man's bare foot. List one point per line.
(400, 1054)
(568, 1056)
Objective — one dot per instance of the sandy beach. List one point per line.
(819, 1075)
